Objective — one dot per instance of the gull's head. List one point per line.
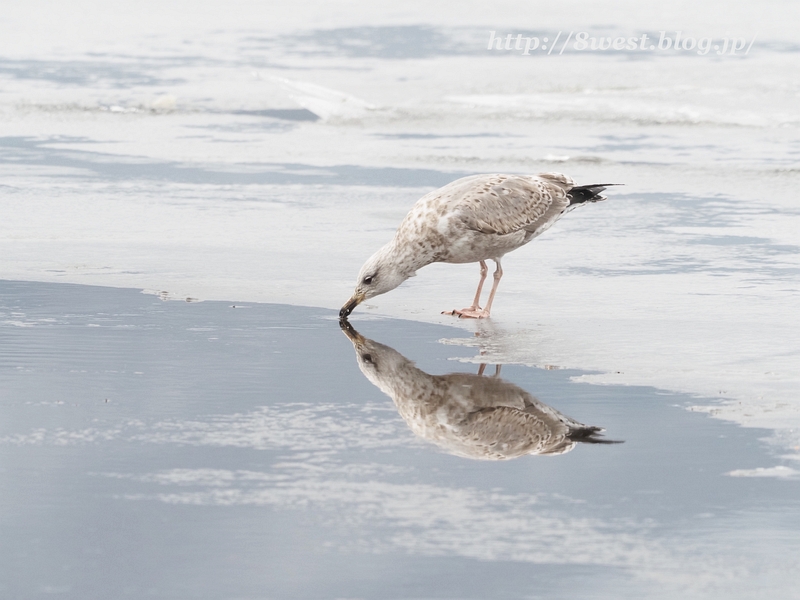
(380, 364)
(380, 274)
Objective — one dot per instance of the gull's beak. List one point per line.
(351, 333)
(350, 305)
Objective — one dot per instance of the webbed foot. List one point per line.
(473, 312)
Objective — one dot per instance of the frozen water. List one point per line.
(255, 153)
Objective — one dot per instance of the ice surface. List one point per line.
(157, 146)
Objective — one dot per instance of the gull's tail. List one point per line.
(587, 434)
(581, 434)
(588, 193)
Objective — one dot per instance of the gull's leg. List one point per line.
(482, 369)
(476, 303)
(475, 308)
(475, 312)
(498, 273)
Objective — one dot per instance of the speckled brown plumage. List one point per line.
(472, 219)
(468, 415)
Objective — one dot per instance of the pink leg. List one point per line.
(498, 273)
(475, 308)
(482, 369)
(475, 311)
(476, 303)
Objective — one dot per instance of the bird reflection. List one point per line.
(473, 416)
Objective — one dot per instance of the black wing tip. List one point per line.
(588, 193)
(591, 435)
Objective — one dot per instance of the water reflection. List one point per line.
(469, 415)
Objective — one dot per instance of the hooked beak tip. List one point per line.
(351, 333)
(348, 307)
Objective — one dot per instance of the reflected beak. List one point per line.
(351, 333)
(350, 305)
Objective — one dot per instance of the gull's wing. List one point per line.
(504, 204)
(509, 432)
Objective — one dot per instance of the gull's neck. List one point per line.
(408, 255)
(406, 384)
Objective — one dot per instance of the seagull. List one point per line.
(472, 219)
(469, 415)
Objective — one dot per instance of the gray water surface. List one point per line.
(217, 450)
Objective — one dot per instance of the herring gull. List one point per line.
(469, 415)
(472, 219)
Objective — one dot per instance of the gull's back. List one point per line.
(486, 216)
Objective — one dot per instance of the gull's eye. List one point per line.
(368, 280)
(367, 358)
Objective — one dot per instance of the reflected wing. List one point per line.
(507, 431)
(504, 204)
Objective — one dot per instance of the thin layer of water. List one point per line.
(209, 449)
